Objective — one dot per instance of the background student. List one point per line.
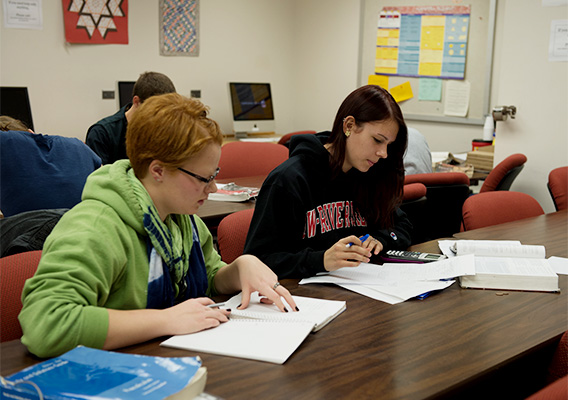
(107, 137)
(336, 187)
(39, 171)
(131, 262)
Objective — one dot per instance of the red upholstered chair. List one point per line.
(558, 187)
(442, 213)
(232, 234)
(240, 159)
(15, 269)
(557, 378)
(503, 174)
(286, 138)
(493, 208)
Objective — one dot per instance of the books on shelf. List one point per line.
(233, 193)
(508, 266)
(86, 373)
(261, 332)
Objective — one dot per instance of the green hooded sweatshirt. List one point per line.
(95, 258)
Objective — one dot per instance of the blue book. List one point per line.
(85, 373)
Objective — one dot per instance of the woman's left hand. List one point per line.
(254, 275)
(373, 245)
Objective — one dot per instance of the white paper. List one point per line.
(559, 265)
(398, 294)
(558, 45)
(25, 14)
(456, 98)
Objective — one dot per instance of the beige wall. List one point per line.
(309, 51)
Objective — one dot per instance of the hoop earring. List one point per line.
(347, 133)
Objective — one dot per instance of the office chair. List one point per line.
(240, 159)
(442, 213)
(284, 140)
(558, 187)
(557, 376)
(493, 208)
(232, 234)
(503, 174)
(414, 205)
(15, 269)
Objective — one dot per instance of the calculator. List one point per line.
(411, 256)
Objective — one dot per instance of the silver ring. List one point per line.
(276, 285)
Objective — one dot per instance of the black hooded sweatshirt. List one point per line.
(301, 212)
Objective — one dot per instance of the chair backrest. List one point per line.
(240, 159)
(232, 234)
(503, 174)
(492, 208)
(15, 269)
(286, 138)
(558, 187)
(442, 214)
(414, 205)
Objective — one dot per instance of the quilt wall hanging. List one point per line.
(96, 21)
(179, 27)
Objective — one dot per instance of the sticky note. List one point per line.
(402, 92)
(380, 80)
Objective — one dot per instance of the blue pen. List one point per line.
(362, 239)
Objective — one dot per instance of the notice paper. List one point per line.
(456, 98)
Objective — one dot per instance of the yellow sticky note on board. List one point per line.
(380, 80)
(402, 92)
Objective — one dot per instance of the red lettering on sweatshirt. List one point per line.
(332, 216)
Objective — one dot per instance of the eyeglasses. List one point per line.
(199, 177)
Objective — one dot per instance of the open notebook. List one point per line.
(261, 332)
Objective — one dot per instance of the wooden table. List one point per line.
(454, 344)
(212, 212)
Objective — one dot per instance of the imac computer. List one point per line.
(125, 89)
(252, 108)
(15, 103)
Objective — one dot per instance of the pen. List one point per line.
(216, 305)
(362, 238)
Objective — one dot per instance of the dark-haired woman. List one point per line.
(335, 188)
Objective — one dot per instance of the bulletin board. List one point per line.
(478, 63)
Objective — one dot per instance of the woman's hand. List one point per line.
(193, 315)
(372, 244)
(248, 274)
(350, 252)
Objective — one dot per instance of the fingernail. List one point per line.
(285, 309)
(297, 309)
(228, 309)
(239, 305)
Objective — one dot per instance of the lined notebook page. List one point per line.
(317, 311)
(270, 341)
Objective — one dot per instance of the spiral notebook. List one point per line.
(261, 331)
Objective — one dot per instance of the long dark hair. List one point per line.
(372, 103)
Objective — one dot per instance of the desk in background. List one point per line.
(453, 344)
(212, 212)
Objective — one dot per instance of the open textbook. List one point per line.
(507, 266)
(261, 331)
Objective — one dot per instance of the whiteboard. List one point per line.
(478, 62)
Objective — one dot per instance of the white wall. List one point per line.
(309, 51)
(244, 40)
(538, 88)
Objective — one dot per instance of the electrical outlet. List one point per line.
(196, 94)
(108, 94)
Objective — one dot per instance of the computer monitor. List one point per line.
(252, 107)
(125, 89)
(15, 103)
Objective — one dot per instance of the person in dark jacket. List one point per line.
(335, 188)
